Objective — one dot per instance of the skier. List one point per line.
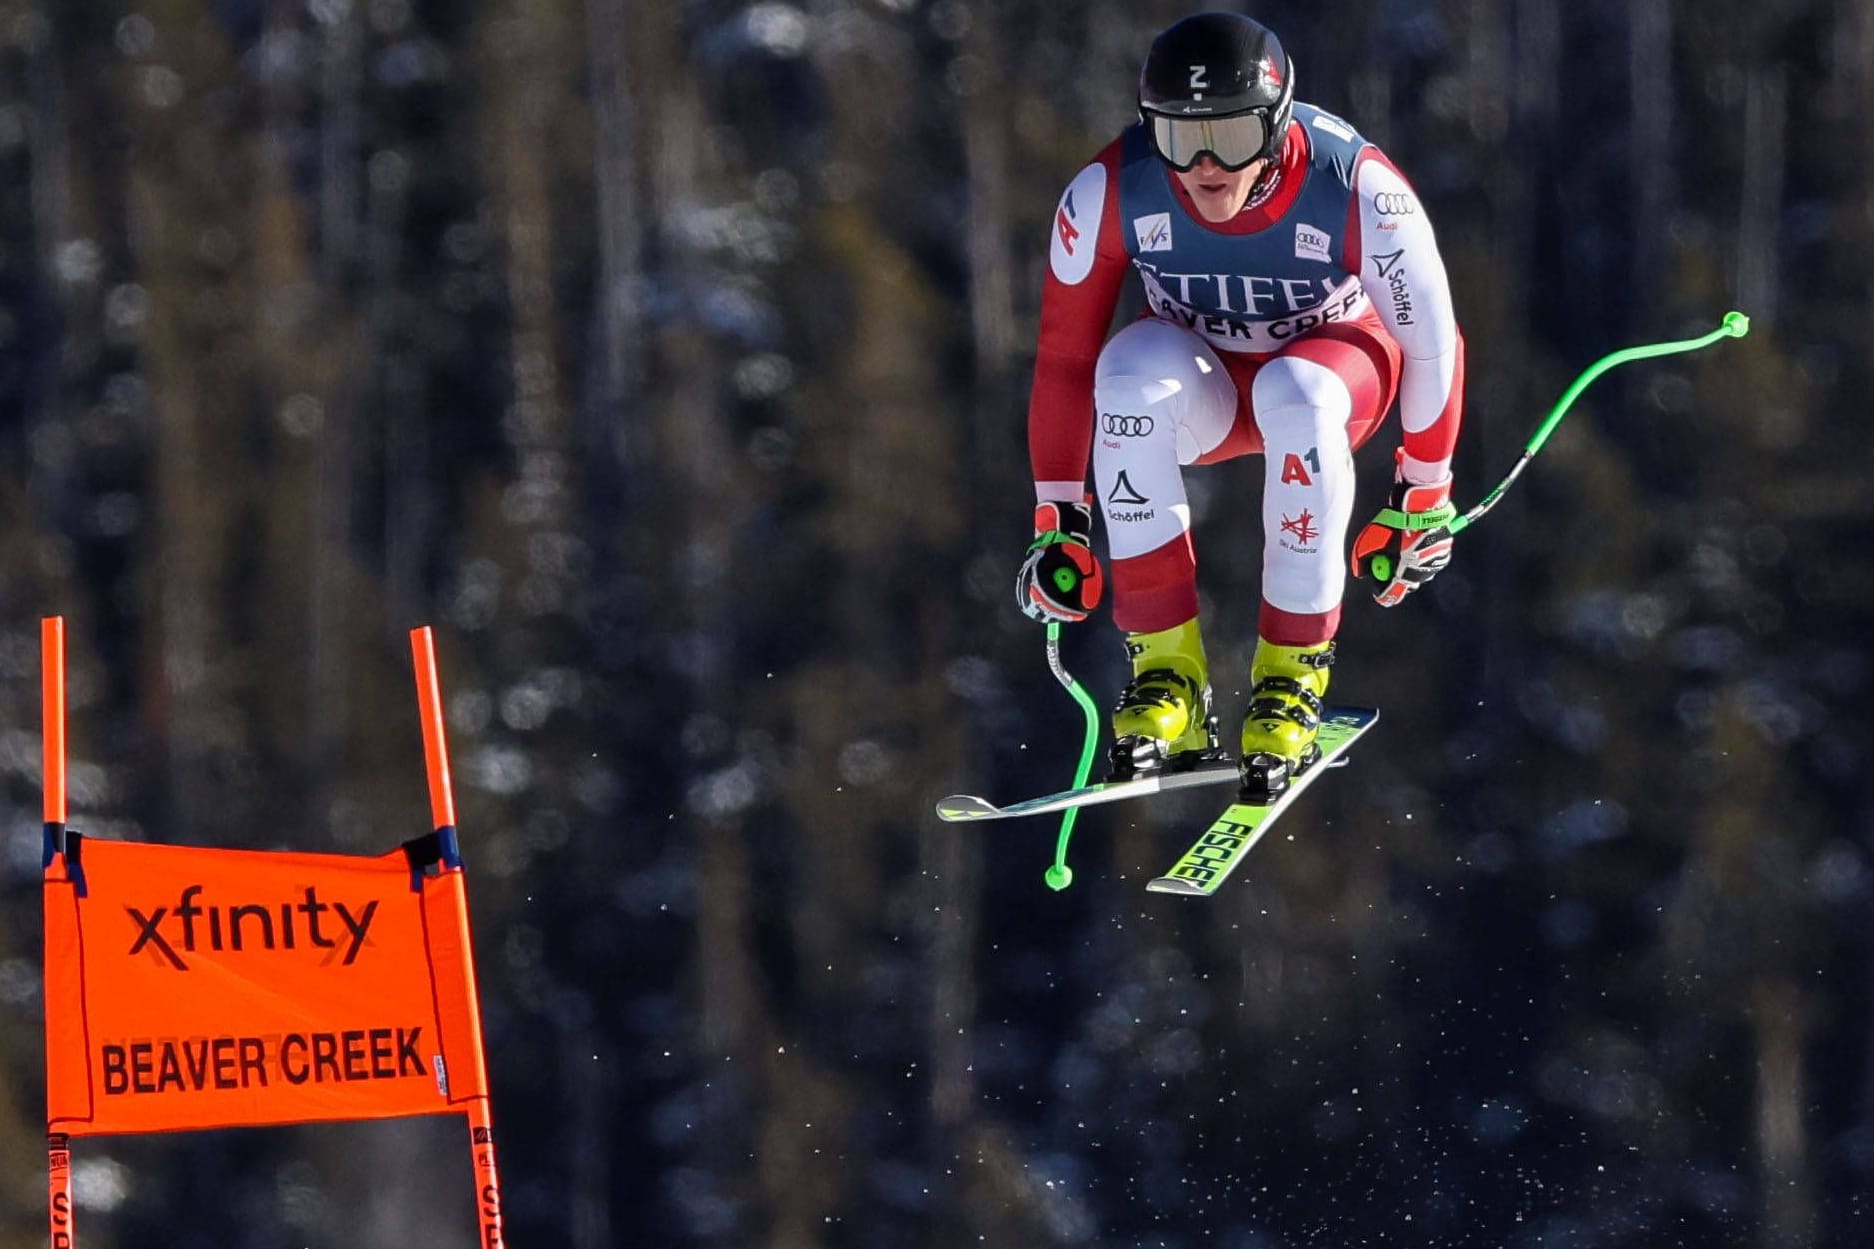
(1293, 290)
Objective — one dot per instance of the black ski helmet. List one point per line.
(1215, 65)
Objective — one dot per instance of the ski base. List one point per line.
(959, 807)
(1228, 841)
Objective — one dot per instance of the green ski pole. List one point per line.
(1735, 325)
(1059, 876)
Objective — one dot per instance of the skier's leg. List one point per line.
(1163, 399)
(1302, 408)
(1310, 405)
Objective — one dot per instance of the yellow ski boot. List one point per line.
(1285, 705)
(1163, 722)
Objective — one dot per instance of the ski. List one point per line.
(1235, 833)
(960, 807)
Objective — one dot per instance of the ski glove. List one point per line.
(1060, 579)
(1408, 542)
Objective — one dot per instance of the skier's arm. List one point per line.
(1086, 266)
(1390, 245)
(1060, 579)
(1392, 248)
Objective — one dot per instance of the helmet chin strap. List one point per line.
(1266, 184)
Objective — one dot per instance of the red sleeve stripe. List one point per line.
(1436, 442)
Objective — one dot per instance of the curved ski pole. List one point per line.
(1059, 876)
(1735, 325)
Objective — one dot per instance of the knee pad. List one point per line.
(1155, 369)
(1288, 394)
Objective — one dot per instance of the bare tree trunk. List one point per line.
(399, 399)
(1766, 91)
(954, 865)
(952, 860)
(341, 72)
(985, 116)
(694, 449)
(620, 232)
(1486, 49)
(520, 49)
(1649, 150)
(535, 51)
(53, 232)
(614, 428)
(1779, 1028)
(586, 1070)
(179, 220)
(1536, 84)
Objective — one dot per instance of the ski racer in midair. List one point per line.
(1294, 291)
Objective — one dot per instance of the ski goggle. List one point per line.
(1232, 142)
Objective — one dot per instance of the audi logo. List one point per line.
(1125, 426)
(1394, 204)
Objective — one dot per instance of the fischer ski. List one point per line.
(1231, 837)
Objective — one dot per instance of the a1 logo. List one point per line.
(1293, 469)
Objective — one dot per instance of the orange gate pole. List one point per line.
(52, 738)
(442, 816)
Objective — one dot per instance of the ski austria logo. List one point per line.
(1304, 531)
(1077, 226)
(1153, 232)
(1312, 244)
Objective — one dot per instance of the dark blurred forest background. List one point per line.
(671, 358)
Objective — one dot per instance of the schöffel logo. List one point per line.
(169, 932)
(1387, 266)
(1122, 426)
(1125, 492)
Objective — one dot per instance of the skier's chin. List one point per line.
(1214, 204)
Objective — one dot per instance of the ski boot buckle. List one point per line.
(1265, 777)
(1133, 756)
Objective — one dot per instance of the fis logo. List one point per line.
(1153, 232)
(169, 932)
